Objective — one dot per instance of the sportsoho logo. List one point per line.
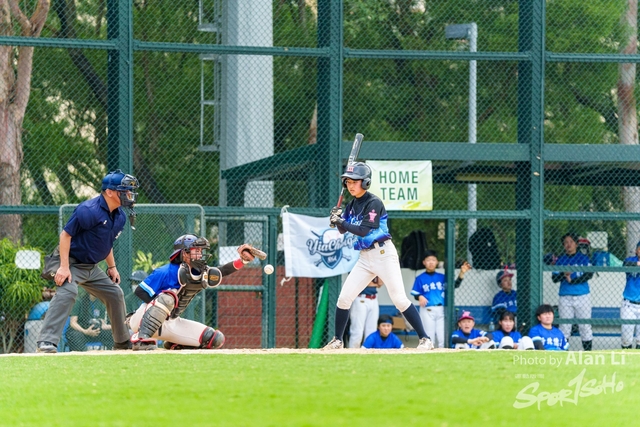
(329, 246)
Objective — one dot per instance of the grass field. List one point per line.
(263, 388)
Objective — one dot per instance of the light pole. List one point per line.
(469, 32)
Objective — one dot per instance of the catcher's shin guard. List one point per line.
(211, 339)
(158, 311)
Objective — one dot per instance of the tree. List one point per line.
(15, 88)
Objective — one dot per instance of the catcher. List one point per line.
(168, 291)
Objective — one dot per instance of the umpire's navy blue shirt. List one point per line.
(93, 229)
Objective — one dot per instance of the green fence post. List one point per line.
(530, 180)
(270, 279)
(450, 259)
(120, 111)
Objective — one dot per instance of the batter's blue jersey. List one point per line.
(632, 288)
(161, 279)
(475, 333)
(552, 339)
(368, 211)
(376, 341)
(431, 286)
(565, 287)
(508, 301)
(499, 334)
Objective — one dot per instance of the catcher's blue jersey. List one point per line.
(368, 211)
(567, 288)
(552, 339)
(431, 286)
(161, 279)
(632, 288)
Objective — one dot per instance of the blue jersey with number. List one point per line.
(475, 333)
(567, 288)
(161, 279)
(431, 286)
(632, 288)
(368, 211)
(508, 301)
(376, 341)
(552, 339)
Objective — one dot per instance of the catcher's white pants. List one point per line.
(433, 322)
(575, 307)
(630, 311)
(178, 330)
(364, 320)
(381, 261)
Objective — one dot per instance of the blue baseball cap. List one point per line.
(638, 245)
(501, 275)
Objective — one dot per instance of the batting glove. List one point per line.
(336, 219)
(336, 211)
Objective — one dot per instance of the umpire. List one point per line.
(86, 240)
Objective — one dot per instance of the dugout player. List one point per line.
(544, 335)
(575, 297)
(86, 240)
(168, 291)
(366, 218)
(630, 308)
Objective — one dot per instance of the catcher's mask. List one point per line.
(124, 184)
(195, 246)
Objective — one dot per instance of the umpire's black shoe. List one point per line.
(126, 345)
(47, 347)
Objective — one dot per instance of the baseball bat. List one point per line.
(355, 149)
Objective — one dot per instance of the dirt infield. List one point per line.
(236, 351)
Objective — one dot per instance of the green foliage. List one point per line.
(144, 262)
(20, 289)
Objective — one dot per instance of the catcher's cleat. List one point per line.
(425, 344)
(143, 345)
(334, 344)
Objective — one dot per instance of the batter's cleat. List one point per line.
(47, 347)
(425, 344)
(125, 345)
(144, 345)
(334, 344)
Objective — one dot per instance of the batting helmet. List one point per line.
(124, 184)
(358, 171)
(186, 242)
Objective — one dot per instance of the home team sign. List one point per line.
(403, 185)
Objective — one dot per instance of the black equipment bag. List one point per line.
(484, 250)
(413, 250)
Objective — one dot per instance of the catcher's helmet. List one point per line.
(123, 183)
(358, 171)
(187, 242)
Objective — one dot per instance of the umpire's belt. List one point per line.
(633, 302)
(367, 296)
(373, 246)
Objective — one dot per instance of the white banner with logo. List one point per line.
(403, 185)
(313, 249)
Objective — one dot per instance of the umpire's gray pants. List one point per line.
(98, 284)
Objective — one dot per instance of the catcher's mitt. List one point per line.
(253, 251)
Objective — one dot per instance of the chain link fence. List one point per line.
(526, 110)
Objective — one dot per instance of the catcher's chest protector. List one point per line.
(190, 286)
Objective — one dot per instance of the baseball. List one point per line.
(268, 269)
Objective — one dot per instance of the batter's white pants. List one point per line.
(364, 320)
(178, 330)
(630, 311)
(379, 261)
(575, 307)
(433, 322)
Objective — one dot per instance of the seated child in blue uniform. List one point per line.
(506, 337)
(544, 335)
(467, 336)
(383, 337)
(506, 299)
